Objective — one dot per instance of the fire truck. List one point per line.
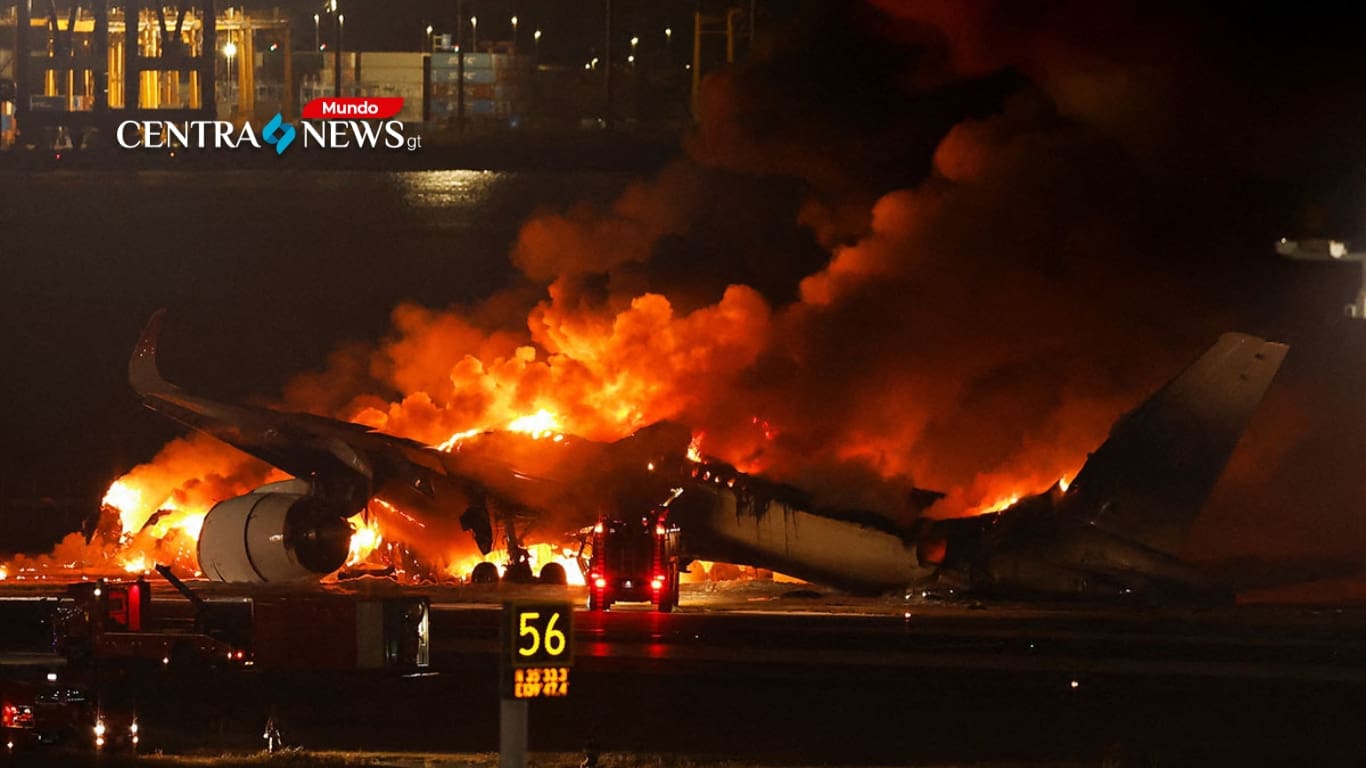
(633, 560)
(112, 620)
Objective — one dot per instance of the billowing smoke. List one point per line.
(928, 244)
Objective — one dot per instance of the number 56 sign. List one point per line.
(538, 635)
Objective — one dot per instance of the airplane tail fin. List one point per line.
(143, 373)
(1149, 480)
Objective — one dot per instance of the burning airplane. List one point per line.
(1115, 530)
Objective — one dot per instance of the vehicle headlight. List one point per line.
(99, 727)
(134, 727)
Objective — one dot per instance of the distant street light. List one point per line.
(337, 54)
(514, 29)
(536, 36)
(230, 52)
(474, 33)
(427, 43)
(317, 41)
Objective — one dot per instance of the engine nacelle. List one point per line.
(269, 535)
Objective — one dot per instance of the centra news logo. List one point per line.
(279, 133)
(328, 123)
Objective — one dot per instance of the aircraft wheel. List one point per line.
(484, 573)
(553, 573)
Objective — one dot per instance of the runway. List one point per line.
(758, 676)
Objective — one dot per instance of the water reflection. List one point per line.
(442, 189)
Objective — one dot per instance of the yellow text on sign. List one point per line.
(548, 682)
(532, 639)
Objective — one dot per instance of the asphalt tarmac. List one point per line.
(770, 675)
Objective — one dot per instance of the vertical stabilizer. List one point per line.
(1149, 480)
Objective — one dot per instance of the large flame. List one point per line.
(540, 424)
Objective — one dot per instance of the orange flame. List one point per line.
(136, 564)
(540, 424)
(695, 448)
(365, 538)
(122, 496)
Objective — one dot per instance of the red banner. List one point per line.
(353, 108)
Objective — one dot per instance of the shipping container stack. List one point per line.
(497, 89)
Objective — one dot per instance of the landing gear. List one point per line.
(484, 573)
(554, 573)
(519, 573)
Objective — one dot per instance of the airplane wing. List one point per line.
(1149, 480)
(342, 457)
(350, 463)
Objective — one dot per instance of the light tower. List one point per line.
(1329, 250)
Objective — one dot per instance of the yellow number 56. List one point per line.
(554, 639)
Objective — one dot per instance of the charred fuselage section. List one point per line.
(1116, 531)
(1046, 545)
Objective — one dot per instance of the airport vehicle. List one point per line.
(112, 620)
(634, 560)
(340, 632)
(318, 631)
(1116, 531)
(48, 708)
(17, 719)
(72, 714)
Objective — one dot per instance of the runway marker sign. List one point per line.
(538, 649)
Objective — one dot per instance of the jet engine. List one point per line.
(278, 532)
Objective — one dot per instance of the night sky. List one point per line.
(1021, 217)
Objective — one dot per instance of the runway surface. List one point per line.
(763, 673)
